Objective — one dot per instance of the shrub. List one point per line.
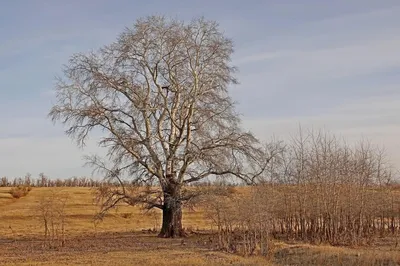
(20, 191)
(52, 211)
(242, 223)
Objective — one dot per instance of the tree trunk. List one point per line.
(172, 213)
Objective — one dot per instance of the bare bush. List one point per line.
(317, 189)
(333, 192)
(52, 209)
(20, 191)
(242, 222)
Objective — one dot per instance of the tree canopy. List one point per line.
(160, 96)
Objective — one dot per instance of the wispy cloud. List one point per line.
(332, 65)
(375, 118)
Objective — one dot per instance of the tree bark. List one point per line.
(172, 213)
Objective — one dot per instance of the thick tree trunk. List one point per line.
(172, 213)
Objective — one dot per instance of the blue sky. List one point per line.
(332, 64)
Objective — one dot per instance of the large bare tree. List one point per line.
(159, 94)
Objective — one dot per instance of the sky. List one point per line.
(319, 64)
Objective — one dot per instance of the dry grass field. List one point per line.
(22, 215)
(120, 239)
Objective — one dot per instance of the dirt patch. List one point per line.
(146, 248)
(99, 249)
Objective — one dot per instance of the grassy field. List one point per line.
(19, 217)
(120, 239)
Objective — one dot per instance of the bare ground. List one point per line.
(120, 249)
(147, 249)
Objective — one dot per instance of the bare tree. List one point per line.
(332, 191)
(160, 96)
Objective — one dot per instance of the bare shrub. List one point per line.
(333, 192)
(53, 217)
(318, 189)
(20, 191)
(242, 222)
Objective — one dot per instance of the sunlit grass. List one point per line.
(20, 217)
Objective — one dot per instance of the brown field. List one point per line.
(120, 239)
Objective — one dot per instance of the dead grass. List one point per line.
(305, 254)
(121, 249)
(21, 215)
(112, 241)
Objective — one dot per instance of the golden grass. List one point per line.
(306, 254)
(20, 217)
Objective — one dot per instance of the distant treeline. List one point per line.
(43, 181)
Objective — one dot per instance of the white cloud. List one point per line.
(315, 69)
